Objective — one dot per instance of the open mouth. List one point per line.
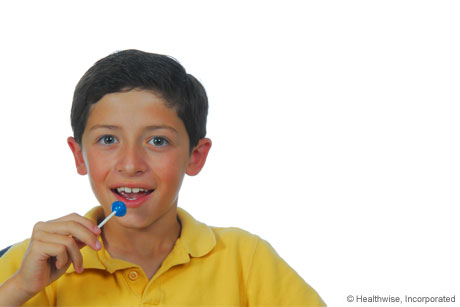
(131, 193)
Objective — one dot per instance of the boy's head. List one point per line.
(139, 124)
(133, 69)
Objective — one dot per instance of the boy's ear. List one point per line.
(78, 155)
(198, 157)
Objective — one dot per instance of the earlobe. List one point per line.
(198, 157)
(78, 156)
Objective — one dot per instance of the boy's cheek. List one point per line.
(98, 171)
(169, 172)
(171, 168)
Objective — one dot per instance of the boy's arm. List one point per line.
(8, 265)
(54, 245)
(11, 293)
(272, 282)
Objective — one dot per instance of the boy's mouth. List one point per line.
(131, 193)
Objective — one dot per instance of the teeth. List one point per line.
(130, 190)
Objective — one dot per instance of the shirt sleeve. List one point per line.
(272, 282)
(10, 263)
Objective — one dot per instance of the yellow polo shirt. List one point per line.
(208, 266)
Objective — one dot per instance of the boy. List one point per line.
(139, 123)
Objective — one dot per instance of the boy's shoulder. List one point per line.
(234, 235)
(237, 240)
(15, 250)
(11, 260)
(207, 238)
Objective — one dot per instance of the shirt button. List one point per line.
(133, 275)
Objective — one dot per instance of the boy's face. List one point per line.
(135, 149)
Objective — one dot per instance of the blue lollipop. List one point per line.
(118, 209)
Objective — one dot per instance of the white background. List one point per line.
(335, 127)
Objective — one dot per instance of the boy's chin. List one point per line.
(134, 223)
(138, 218)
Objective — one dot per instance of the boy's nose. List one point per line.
(131, 161)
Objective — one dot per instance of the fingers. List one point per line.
(54, 245)
(66, 229)
(81, 228)
(53, 251)
(62, 248)
(82, 220)
(62, 238)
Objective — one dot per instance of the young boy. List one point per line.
(139, 123)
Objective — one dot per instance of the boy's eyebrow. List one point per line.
(156, 127)
(153, 127)
(111, 127)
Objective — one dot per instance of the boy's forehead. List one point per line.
(132, 108)
(130, 97)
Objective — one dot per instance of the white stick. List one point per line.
(106, 219)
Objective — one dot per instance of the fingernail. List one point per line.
(98, 245)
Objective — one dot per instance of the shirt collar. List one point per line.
(196, 240)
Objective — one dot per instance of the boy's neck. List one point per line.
(140, 246)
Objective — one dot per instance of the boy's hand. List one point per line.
(54, 245)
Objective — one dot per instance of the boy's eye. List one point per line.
(158, 141)
(107, 140)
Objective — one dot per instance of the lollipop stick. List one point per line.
(106, 219)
